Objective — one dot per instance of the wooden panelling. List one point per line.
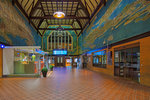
(109, 68)
(144, 59)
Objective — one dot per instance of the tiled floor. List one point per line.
(72, 84)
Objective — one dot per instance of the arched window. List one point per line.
(60, 40)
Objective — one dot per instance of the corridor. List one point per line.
(65, 83)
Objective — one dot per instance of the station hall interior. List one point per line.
(74, 49)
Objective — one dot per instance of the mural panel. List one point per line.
(14, 28)
(118, 20)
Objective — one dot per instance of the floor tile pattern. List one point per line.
(72, 84)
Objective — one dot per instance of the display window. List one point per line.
(99, 59)
(127, 63)
(26, 61)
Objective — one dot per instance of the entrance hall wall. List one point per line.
(15, 28)
(144, 60)
(8, 61)
(1, 62)
(109, 70)
(118, 20)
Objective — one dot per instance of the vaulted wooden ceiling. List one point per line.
(78, 13)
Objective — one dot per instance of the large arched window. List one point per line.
(60, 40)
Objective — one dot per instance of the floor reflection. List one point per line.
(72, 83)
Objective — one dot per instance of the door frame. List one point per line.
(56, 61)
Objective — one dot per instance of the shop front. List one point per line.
(22, 61)
(128, 59)
(127, 62)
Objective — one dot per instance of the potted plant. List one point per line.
(51, 67)
(44, 71)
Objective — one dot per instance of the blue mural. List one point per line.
(14, 27)
(118, 20)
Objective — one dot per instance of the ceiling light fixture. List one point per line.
(59, 14)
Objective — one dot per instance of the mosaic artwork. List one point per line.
(14, 28)
(73, 34)
(118, 20)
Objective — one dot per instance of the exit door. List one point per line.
(60, 61)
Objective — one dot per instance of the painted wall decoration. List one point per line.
(14, 28)
(118, 20)
(48, 32)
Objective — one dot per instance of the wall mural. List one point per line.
(14, 28)
(118, 20)
(48, 32)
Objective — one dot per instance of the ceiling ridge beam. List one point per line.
(75, 31)
(59, 0)
(56, 28)
(52, 17)
(79, 23)
(61, 24)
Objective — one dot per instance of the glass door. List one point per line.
(60, 62)
(122, 62)
(127, 63)
(136, 64)
(116, 63)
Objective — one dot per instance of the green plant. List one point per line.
(44, 69)
(51, 66)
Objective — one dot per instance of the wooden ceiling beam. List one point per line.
(20, 7)
(23, 11)
(44, 12)
(84, 8)
(41, 20)
(59, 24)
(26, 4)
(34, 8)
(56, 29)
(100, 4)
(92, 4)
(104, 2)
(59, 0)
(80, 2)
(51, 17)
(62, 5)
(79, 23)
(96, 2)
(97, 8)
(40, 23)
(77, 9)
(75, 31)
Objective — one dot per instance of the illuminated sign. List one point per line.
(2, 46)
(59, 52)
(100, 53)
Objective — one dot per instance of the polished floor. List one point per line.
(72, 84)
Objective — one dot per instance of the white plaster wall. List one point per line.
(8, 61)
